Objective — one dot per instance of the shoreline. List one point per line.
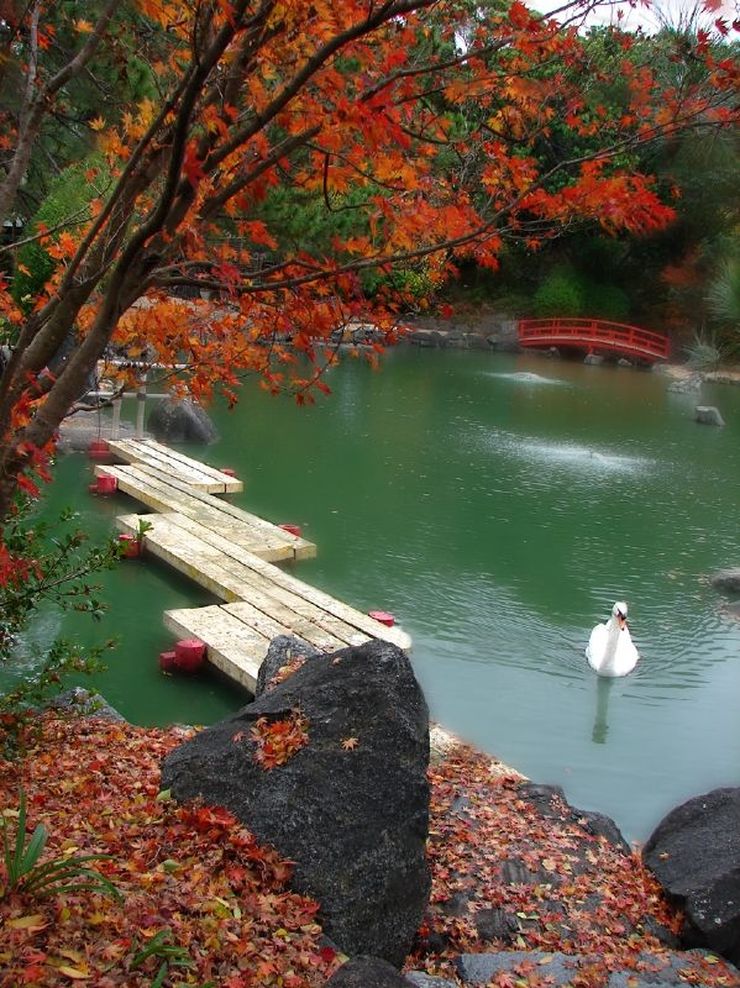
(521, 880)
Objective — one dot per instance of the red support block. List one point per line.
(167, 661)
(107, 484)
(383, 617)
(190, 654)
(98, 450)
(292, 529)
(132, 546)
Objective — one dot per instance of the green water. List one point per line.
(497, 506)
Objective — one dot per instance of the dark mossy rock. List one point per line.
(695, 854)
(367, 972)
(181, 421)
(283, 650)
(727, 580)
(350, 807)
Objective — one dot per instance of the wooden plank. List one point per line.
(147, 452)
(196, 559)
(253, 534)
(232, 646)
(251, 615)
(195, 481)
(167, 494)
(303, 549)
(223, 538)
(228, 578)
(235, 574)
(344, 612)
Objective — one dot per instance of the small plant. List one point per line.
(142, 528)
(171, 954)
(63, 874)
(703, 353)
(560, 294)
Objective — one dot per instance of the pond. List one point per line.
(498, 506)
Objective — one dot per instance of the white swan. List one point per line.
(610, 651)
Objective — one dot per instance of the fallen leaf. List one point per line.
(73, 972)
(32, 922)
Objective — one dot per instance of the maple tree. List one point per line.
(357, 106)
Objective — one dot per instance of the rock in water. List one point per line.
(350, 807)
(172, 420)
(695, 855)
(708, 415)
(727, 580)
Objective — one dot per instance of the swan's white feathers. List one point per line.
(610, 650)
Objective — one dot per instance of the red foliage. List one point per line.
(586, 896)
(278, 740)
(192, 870)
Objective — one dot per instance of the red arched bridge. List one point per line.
(595, 336)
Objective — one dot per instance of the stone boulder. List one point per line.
(695, 855)
(350, 807)
(367, 972)
(670, 969)
(284, 656)
(371, 972)
(172, 420)
(709, 415)
(85, 703)
(726, 580)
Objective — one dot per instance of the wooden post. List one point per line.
(140, 405)
(115, 431)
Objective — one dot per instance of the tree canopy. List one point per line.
(425, 120)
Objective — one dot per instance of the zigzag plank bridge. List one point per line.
(595, 336)
(232, 553)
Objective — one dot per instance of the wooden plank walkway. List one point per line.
(238, 636)
(149, 453)
(173, 496)
(277, 599)
(231, 553)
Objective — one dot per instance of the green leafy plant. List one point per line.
(171, 955)
(45, 568)
(142, 528)
(560, 294)
(703, 353)
(68, 873)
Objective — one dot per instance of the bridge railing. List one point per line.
(593, 331)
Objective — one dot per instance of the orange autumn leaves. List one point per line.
(192, 871)
(278, 740)
(396, 147)
(570, 891)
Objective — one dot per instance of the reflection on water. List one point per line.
(582, 457)
(601, 725)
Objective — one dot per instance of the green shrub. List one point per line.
(606, 302)
(67, 202)
(560, 294)
(703, 353)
